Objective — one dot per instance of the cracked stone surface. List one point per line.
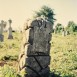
(35, 50)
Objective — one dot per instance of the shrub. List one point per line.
(46, 12)
(71, 27)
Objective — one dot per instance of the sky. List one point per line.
(20, 10)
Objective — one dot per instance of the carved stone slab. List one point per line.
(34, 56)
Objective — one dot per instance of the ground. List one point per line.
(63, 54)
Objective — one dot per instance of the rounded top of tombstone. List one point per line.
(39, 22)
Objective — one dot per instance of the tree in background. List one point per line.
(58, 28)
(71, 27)
(76, 28)
(46, 12)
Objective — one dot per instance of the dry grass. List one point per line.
(63, 53)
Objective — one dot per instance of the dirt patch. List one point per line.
(2, 63)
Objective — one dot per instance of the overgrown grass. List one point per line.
(63, 53)
(10, 47)
(7, 71)
(9, 51)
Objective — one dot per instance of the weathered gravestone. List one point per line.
(10, 30)
(2, 25)
(34, 58)
(63, 32)
(67, 33)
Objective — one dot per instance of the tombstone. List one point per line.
(63, 32)
(55, 31)
(10, 30)
(34, 58)
(67, 33)
(2, 25)
(1, 36)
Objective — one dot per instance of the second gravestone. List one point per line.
(34, 58)
(10, 30)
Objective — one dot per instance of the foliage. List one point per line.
(45, 12)
(76, 28)
(64, 55)
(10, 48)
(71, 27)
(8, 72)
(58, 28)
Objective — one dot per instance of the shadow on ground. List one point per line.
(52, 74)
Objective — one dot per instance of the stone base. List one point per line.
(1, 38)
(43, 73)
(10, 37)
(36, 66)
